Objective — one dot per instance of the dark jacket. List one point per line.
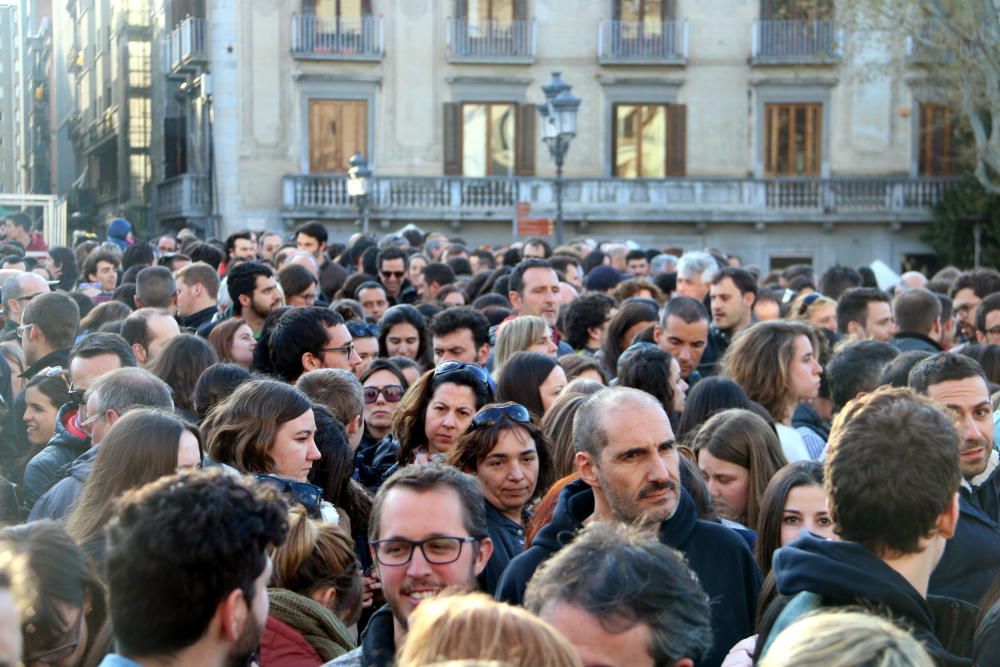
(971, 558)
(58, 502)
(817, 573)
(907, 341)
(54, 358)
(987, 641)
(987, 495)
(373, 460)
(717, 555)
(508, 542)
(43, 470)
(195, 321)
(378, 643)
(805, 416)
(407, 294)
(331, 278)
(718, 343)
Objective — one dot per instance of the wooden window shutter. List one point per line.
(521, 10)
(452, 139)
(676, 139)
(366, 7)
(461, 9)
(524, 159)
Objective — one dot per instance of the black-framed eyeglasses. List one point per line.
(447, 368)
(27, 298)
(393, 393)
(393, 274)
(59, 652)
(362, 330)
(440, 550)
(492, 414)
(346, 349)
(993, 331)
(309, 495)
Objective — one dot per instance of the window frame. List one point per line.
(813, 168)
(514, 107)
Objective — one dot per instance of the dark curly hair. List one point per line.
(178, 547)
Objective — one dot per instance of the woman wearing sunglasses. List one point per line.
(509, 456)
(383, 386)
(139, 448)
(62, 617)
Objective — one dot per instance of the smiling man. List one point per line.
(632, 476)
(427, 532)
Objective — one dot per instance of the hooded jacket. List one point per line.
(827, 573)
(58, 502)
(971, 558)
(67, 443)
(118, 231)
(717, 555)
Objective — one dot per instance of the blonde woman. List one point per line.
(815, 309)
(523, 334)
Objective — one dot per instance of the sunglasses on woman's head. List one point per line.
(491, 414)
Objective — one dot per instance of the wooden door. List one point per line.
(337, 129)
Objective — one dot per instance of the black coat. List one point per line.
(508, 542)
(971, 558)
(839, 574)
(717, 555)
(44, 469)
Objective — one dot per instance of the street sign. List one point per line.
(535, 227)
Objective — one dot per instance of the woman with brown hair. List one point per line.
(109, 311)
(298, 285)
(632, 318)
(233, 341)
(180, 363)
(141, 447)
(557, 425)
(738, 454)
(473, 629)
(775, 364)
(315, 595)
(509, 456)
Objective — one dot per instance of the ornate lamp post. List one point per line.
(558, 129)
(359, 183)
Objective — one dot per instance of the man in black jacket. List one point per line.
(631, 474)
(892, 477)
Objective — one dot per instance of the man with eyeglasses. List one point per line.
(966, 292)
(988, 320)
(427, 532)
(392, 265)
(17, 291)
(308, 338)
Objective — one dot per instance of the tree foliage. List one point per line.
(952, 234)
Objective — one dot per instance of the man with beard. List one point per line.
(254, 293)
(971, 560)
(632, 475)
(188, 570)
(732, 294)
(427, 532)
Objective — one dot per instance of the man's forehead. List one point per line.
(539, 274)
(967, 391)
(677, 325)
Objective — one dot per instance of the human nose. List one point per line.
(684, 353)
(551, 346)
(515, 472)
(449, 419)
(418, 567)
(817, 369)
(313, 454)
(970, 429)
(658, 471)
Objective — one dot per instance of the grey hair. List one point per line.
(12, 289)
(127, 388)
(589, 433)
(624, 576)
(663, 263)
(697, 264)
(335, 388)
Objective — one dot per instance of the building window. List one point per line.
(651, 13)
(337, 9)
(139, 121)
(796, 10)
(780, 261)
(337, 130)
(649, 140)
(936, 152)
(486, 11)
(793, 139)
(488, 135)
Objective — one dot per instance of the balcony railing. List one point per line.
(184, 196)
(780, 42)
(613, 198)
(631, 42)
(185, 45)
(491, 41)
(338, 38)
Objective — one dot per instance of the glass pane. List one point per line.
(503, 10)
(350, 9)
(652, 17)
(477, 10)
(781, 132)
(474, 140)
(326, 9)
(654, 141)
(626, 165)
(800, 140)
(138, 64)
(629, 10)
(502, 123)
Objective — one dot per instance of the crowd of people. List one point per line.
(278, 450)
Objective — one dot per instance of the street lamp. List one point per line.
(359, 183)
(558, 129)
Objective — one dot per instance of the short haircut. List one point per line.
(891, 469)
(242, 280)
(516, 283)
(231, 240)
(687, 309)
(982, 282)
(464, 317)
(368, 284)
(155, 287)
(853, 305)
(335, 388)
(205, 253)
(127, 388)
(313, 228)
(857, 367)
(13, 289)
(431, 477)
(838, 279)
(56, 315)
(21, 219)
(178, 547)
(138, 254)
(897, 372)
(200, 273)
(99, 255)
(97, 343)
(546, 248)
(300, 330)
(987, 306)
(392, 252)
(944, 367)
(916, 310)
(590, 434)
(135, 327)
(742, 278)
(635, 254)
(439, 273)
(697, 264)
(583, 314)
(624, 577)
